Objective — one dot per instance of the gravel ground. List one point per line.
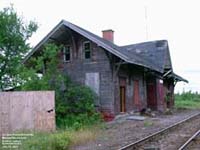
(173, 139)
(121, 131)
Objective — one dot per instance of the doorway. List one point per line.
(122, 94)
(151, 94)
(136, 94)
(122, 99)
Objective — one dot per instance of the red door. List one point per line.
(136, 94)
(151, 95)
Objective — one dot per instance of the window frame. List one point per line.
(87, 50)
(64, 53)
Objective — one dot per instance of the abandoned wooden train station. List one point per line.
(125, 78)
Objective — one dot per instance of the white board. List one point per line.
(92, 80)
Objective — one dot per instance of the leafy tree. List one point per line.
(42, 72)
(14, 34)
(74, 103)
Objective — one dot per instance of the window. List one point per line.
(87, 50)
(66, 53)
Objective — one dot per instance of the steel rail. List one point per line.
(132, 145)
(189, 140)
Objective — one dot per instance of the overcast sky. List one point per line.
(177, 21)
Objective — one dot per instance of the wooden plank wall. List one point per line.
(34, 110)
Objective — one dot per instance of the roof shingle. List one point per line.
(153, 55)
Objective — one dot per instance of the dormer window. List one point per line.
(87, 49)
(66, 53)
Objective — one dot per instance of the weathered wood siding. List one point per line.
(101, 74)
(169, 93)
(160, 92)
(27, 111)
(163, 94)
(131, 74)
(79, 68)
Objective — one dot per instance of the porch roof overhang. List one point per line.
(176, 77)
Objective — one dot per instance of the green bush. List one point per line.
(79, 99)
(79, 108)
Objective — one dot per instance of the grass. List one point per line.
(61, 139)
(187, 100)
(83, 136)
(47, 141)
(148, 123)
(187, 104)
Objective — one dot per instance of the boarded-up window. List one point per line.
(92, 80)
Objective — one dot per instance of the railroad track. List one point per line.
(178, 133)
(192, 143)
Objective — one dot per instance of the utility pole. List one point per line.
(146, 23)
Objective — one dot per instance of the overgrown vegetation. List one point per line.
(79, 110)
(60, 140)
(44, 141)
(187, 100)
(75, 111)
(74, 103)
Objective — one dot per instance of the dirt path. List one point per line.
(121, 131)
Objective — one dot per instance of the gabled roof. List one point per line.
(96, 39)
(153, 55)
(107, 45)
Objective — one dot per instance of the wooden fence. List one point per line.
(34, 110)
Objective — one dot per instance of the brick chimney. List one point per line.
(108, 35)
